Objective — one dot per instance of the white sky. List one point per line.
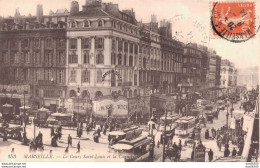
(182, 13)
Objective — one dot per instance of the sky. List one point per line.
(190, 22)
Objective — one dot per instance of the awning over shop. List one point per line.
(238, 114)
(61, 115)
(7, 105)
(24, 107)
(43, 109)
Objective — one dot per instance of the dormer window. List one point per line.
(86, 24)
(100, 23)
(73, 24)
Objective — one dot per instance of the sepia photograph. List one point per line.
(129, 81)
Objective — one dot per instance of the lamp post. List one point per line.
(164, 134)
(78, 94)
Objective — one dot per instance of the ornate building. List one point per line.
(33, 55)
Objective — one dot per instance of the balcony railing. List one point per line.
(46, 82)
(125, 84)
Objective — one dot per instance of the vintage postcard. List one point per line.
(129, 81)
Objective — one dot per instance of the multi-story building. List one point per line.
(212, 68)
(102, 52)
(228, 74)
(218, 69)
(33, 58)
(98, 51)
(192, 67)
(248, 77)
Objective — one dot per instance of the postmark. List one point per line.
(233, 21)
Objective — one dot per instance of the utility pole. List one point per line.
(78, 90)
(164, 134)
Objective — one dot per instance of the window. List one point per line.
(5, 44)
(130, 60)
(37, 43)
(60, 76)
(113, 79)
(135, 79)
(25, 43)
(99, 76)
(86, 24)
(48, 43)
(27, 57)
(37, 57)
(61, 43)
(100, 58)
(26, 74)
(120, 45)
(86, 57)
(86, 76)
(73, 44)
(15, 43)
(61, 57)
(113, 44)
(85, 43)
(16, 74)
(113, 58)
(130, 93)
(136, 49)
(99, 43)
(73, 76)
(135, 93)
(16, 57)
(125, 59)
(131, 48)
(100, 24)
(73, 24)
(73, 58)
(48, 58)
(119, 59)
(73, 93)
(144, 62)
(126, 47)
(37, 75)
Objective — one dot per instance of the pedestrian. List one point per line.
(67, 150)
(50, 152)
(104, 131)
(234, 152)
(80, 132)
(180, 145)
(158, 144)
(69, 141)
(210, 154)
(12, 150)
(5, 136)
(78, 147)
(226, 152)
(98, 132)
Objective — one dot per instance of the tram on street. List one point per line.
(132, 150)
(170, 122)
(185, 125)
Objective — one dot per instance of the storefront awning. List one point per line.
(7, 105)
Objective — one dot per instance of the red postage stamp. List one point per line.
(233, 21)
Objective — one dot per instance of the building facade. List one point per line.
(228, 74)
(73, 57)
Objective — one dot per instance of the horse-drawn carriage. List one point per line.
(12, 133)
(173, 154)
(209, 117)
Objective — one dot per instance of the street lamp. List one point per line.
(78, 94)
(164, 134)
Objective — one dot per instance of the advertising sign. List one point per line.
(200, 154)
(118, 107)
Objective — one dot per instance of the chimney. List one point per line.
(17, 16)
(74, 7)
(39, 13)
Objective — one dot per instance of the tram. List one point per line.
(132, 150)
(185, 125)
(170, 122)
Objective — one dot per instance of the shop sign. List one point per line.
(118, 107)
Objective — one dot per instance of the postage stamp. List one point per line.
(233, 21)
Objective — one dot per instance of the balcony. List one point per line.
(125, 84)
(46, 82)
